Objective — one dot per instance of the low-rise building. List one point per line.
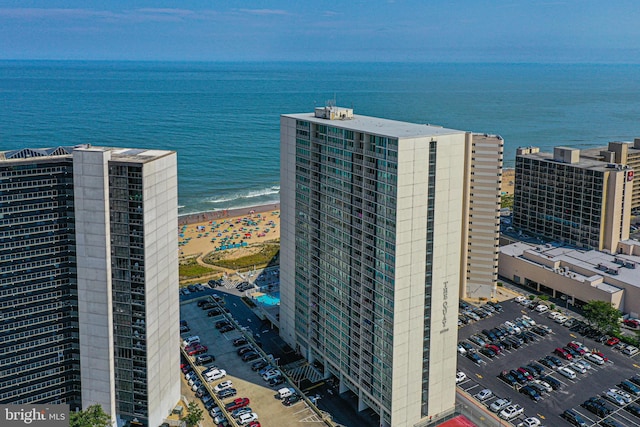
(577, 275)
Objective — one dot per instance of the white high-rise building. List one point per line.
(89, 277)
(371, 256)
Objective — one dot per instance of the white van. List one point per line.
(285, 392)
(191, 340)
(630, 350)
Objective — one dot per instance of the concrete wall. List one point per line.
(287, 229)
(409, 301)
(94, 277)
(481, 215)
(162, 306)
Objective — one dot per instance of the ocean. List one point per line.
(223, 118)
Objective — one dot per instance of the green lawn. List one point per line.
(258, 260)
(191, 269)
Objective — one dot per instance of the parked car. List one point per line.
(227, 328)
(612, 341)
(239, 341)
(544, 385)
(259, 365)
(633, 409)
(566, 372)
(237, 403)
(563, 353)
(223, 385)
(460, 376)
(511, 411)
(205, 358)
(227, 392)
(630, 387)
(554, 383)
(288, 401)
(475, 358)
(499, 404)
(272, 382)
(483, 394)
(244, 350)
(574, 418)
(597, 409)
(252, 355)
(592, 357)
(614, 398)
(529, 391)
(508, 378)
(530, 422)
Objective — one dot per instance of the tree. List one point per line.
(603, 315)
(93, 416)
(194, 414)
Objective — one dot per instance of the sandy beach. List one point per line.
(227, 229)
(508, 181)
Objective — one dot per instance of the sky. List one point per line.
(591, 31)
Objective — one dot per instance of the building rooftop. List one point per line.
(584, 162)
(378, 126)
(612, 268)
(121, 154)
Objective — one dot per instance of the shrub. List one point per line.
(500, 284)
(552, 306)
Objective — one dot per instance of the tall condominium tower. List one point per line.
(88, 278)
(621, 153)
(371, 256)
(572, 199)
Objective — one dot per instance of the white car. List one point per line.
(553, 315)
(541, 308)
(215, 374)
(567, 373)
(271, 374)
(560, 319)
(529, 319)
(586, 365)
(461, 350)
(530, 422)
(247, 418)
(545, 385)
(594, 358)
(577, 368)
(223, 385)
(623, 394)
(513, 326)
(511, 412)
(460, 376)
(614, 397)
(499, 405)
(519, 299)
(483, 394)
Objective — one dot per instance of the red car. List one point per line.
(599, 353)
(494, 348)
(198, 350)
(238, 403)
(525, 373)
(632, 323)
(253, 424)
(576, 347)
(612, 341)
(563, 353)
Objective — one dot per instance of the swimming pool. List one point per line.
(269, 299)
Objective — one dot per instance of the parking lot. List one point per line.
(248, 383)
(571, 393)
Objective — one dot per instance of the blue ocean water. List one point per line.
(223, 118)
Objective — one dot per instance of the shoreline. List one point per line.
(199, 217)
